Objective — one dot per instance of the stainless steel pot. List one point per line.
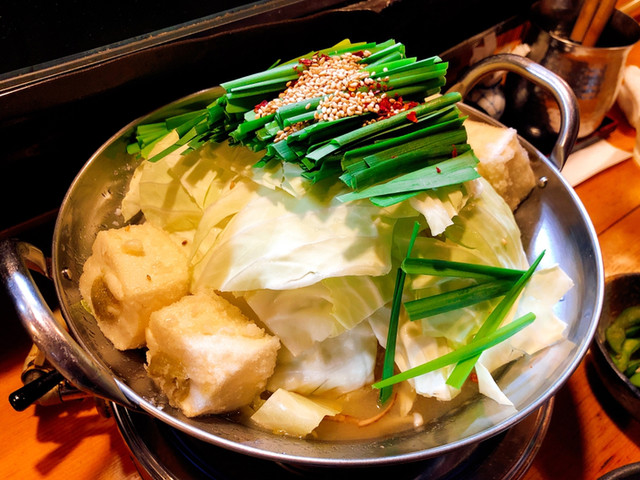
(551, 218)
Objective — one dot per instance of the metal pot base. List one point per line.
(162, 452)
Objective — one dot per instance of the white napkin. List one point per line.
(602, 155)
(590, 160)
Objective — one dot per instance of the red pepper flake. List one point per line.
(385, 106)
(263, 103)
(438, 170)
(411, 116)
(359, 53)
(454, 152)
(473, 376)
(394, 156)
(305, 61)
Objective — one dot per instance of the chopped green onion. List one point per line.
(392, 334)
(455, 299)
(450, 172)
(448, 268)
(463, 369)
(471, 350)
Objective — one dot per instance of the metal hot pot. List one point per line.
(551, 218)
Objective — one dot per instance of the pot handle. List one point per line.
(541, 76)
(62, 351)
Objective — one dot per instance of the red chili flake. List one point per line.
(473, 376)
(454, 152)
(385, 106)
(394, 156)
(305, 61)
(411, 116)
(438, 170)
(263, 103)
(359, 53)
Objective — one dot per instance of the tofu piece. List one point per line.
(503, 160)
(207, 356)
(132, 272)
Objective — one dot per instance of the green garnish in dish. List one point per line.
(623, 339)
(392, 334)
(469, 351)
(487, 336)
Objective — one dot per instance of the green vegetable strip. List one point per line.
(471, 350)
(376, 127)
(395, 69)
(446, 133)
(380, 65)
(380, 126)
(298, 108)
(460, 298)
(445, 115)
(452, 178)
(384, 171)
(463, 369)
(177, 120)
(392, 334)
(380, 54)
(250, 126)
(271, 74)
(384, 201)
(303, 117)
(450, 172)
(448, 268)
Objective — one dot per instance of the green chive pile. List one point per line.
(623, 340)
(361, 112)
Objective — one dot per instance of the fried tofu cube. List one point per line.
(207, 356)
(132, 271)
(504, 162)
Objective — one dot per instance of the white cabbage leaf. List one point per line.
(484, 232)
(293, 414)
(302, 316)
(440, 206)
(281, 242)
(335, 366)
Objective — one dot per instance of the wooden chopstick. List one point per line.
(600, 19)
(629, 7)
(585, 17)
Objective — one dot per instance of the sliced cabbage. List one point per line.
(337, 365)
(163, 199)
(413, 348)
(484, 232)
(303, 316)
(299, 317)
(544, 290)
(313, 269)
(281, 242)
(293, 414)
(440, 206)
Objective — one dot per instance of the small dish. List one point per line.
(620, 291)
(626, 472)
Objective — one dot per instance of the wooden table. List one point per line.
(588, 435)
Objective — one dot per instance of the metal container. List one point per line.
(551, 218)
(593, 73)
